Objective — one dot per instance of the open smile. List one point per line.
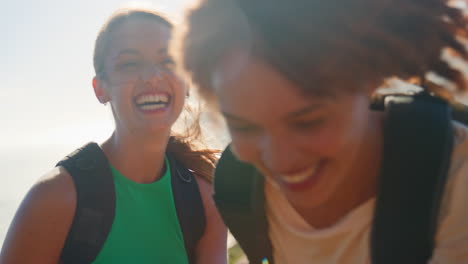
(303, 179)
(153, 102)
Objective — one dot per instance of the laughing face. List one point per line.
(139, 83)
(308, 146)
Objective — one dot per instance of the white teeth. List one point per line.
(152, 106)
(299, 177)
(153, 99)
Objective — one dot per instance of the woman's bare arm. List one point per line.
(41, 224)
(211, 248)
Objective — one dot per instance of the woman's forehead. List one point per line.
(257, 88)
(143, 35)
(229, 67)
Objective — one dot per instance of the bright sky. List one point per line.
(46, 70)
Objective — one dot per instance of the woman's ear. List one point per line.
(100, 91)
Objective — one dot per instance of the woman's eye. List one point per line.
(168, 64)
(242, 129)
(129, 66)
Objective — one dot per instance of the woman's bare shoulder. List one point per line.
(42, 222)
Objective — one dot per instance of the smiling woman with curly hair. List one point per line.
(294, 81)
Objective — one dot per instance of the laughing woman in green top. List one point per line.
(134, 74)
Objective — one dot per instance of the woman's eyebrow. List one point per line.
(303, 111)
(234, 118)
(127, 51)
(163, 51)
(131, 51)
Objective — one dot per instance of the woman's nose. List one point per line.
(280, 154)
(152, 73)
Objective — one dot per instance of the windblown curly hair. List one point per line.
(327, 45)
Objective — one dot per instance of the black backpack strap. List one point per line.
(239, 196)
(189, 206)
(95, 204)
(459, 112)
(417, 148)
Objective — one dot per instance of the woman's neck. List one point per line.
(139, 158)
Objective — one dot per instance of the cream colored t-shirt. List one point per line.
(347, 242)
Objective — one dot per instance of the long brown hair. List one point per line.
(187, 146)
(328, 45)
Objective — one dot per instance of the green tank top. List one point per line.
(145, 228)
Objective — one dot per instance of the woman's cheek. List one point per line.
(325, 142)
(244, 148)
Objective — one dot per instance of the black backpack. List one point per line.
(95, 208)
(418, 142)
